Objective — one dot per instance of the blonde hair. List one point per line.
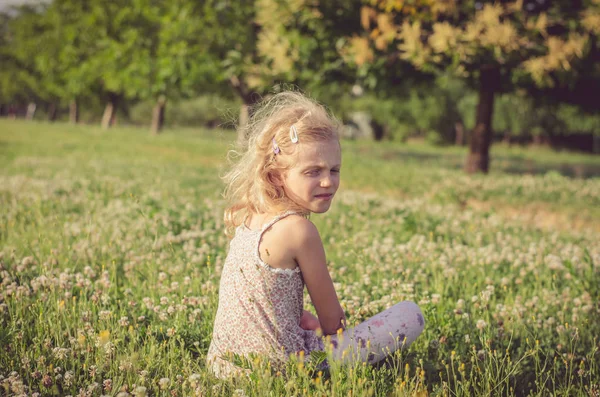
(249, 184)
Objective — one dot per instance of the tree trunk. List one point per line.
(30, 111)
(539, 139)
(378, 130)
(242, 123)
(52, 112)
(481, 137)
(249, 98)
(12, 112)
(73, 112)
(110, 111)
(158, 115)
(459, 139)
(507, 135)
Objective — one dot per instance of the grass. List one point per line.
(112, 245)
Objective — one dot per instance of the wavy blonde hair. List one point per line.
(249, 184)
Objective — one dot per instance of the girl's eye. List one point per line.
(335, 171)
(313, 173)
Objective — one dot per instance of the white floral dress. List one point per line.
(259, 307)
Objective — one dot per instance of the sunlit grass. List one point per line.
(112, 245)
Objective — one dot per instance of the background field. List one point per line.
(112, 244)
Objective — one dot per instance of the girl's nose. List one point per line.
(326, 181)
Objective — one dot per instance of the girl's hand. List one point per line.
(309, 322)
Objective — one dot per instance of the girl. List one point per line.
(290, 169)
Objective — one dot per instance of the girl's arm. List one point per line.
(310, 255)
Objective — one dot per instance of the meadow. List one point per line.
(112, 243)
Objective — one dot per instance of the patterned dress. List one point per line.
(259, 308)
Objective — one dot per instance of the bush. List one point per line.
(429, 112)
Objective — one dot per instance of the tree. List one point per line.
(20, 77)
(168, 55)
(496, 47)
(73, 38)
(282, 42)
(45, 46)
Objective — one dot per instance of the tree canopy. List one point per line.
(496, 47)
(119, 53)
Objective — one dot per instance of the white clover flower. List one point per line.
(105, 298)
(163, 383)
(485, 296)
(554, 262)
(60, 353)
(68, 378)
(125, 365)
(28, 260)
(109, 348)
(107, 384)
(194, 379)
(140, 391)
(481, 324)
(148, 302)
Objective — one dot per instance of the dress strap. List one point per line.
(257, 252)
(276, 219)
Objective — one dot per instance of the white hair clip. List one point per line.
(293, 134)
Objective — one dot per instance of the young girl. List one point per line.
(290, 169)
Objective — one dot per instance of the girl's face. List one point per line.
(315, 177)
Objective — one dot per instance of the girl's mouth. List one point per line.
(327, 196)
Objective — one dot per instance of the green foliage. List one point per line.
(575, 120)
(142, 50)
(522, 116)
(145, 49)
(22, 72)
(427, 110)
(292, 43)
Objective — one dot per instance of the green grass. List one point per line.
(112, 244)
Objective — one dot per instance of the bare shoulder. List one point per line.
(299, 230)
(286, 243)
(303, 241)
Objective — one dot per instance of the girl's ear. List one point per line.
(275, 178)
